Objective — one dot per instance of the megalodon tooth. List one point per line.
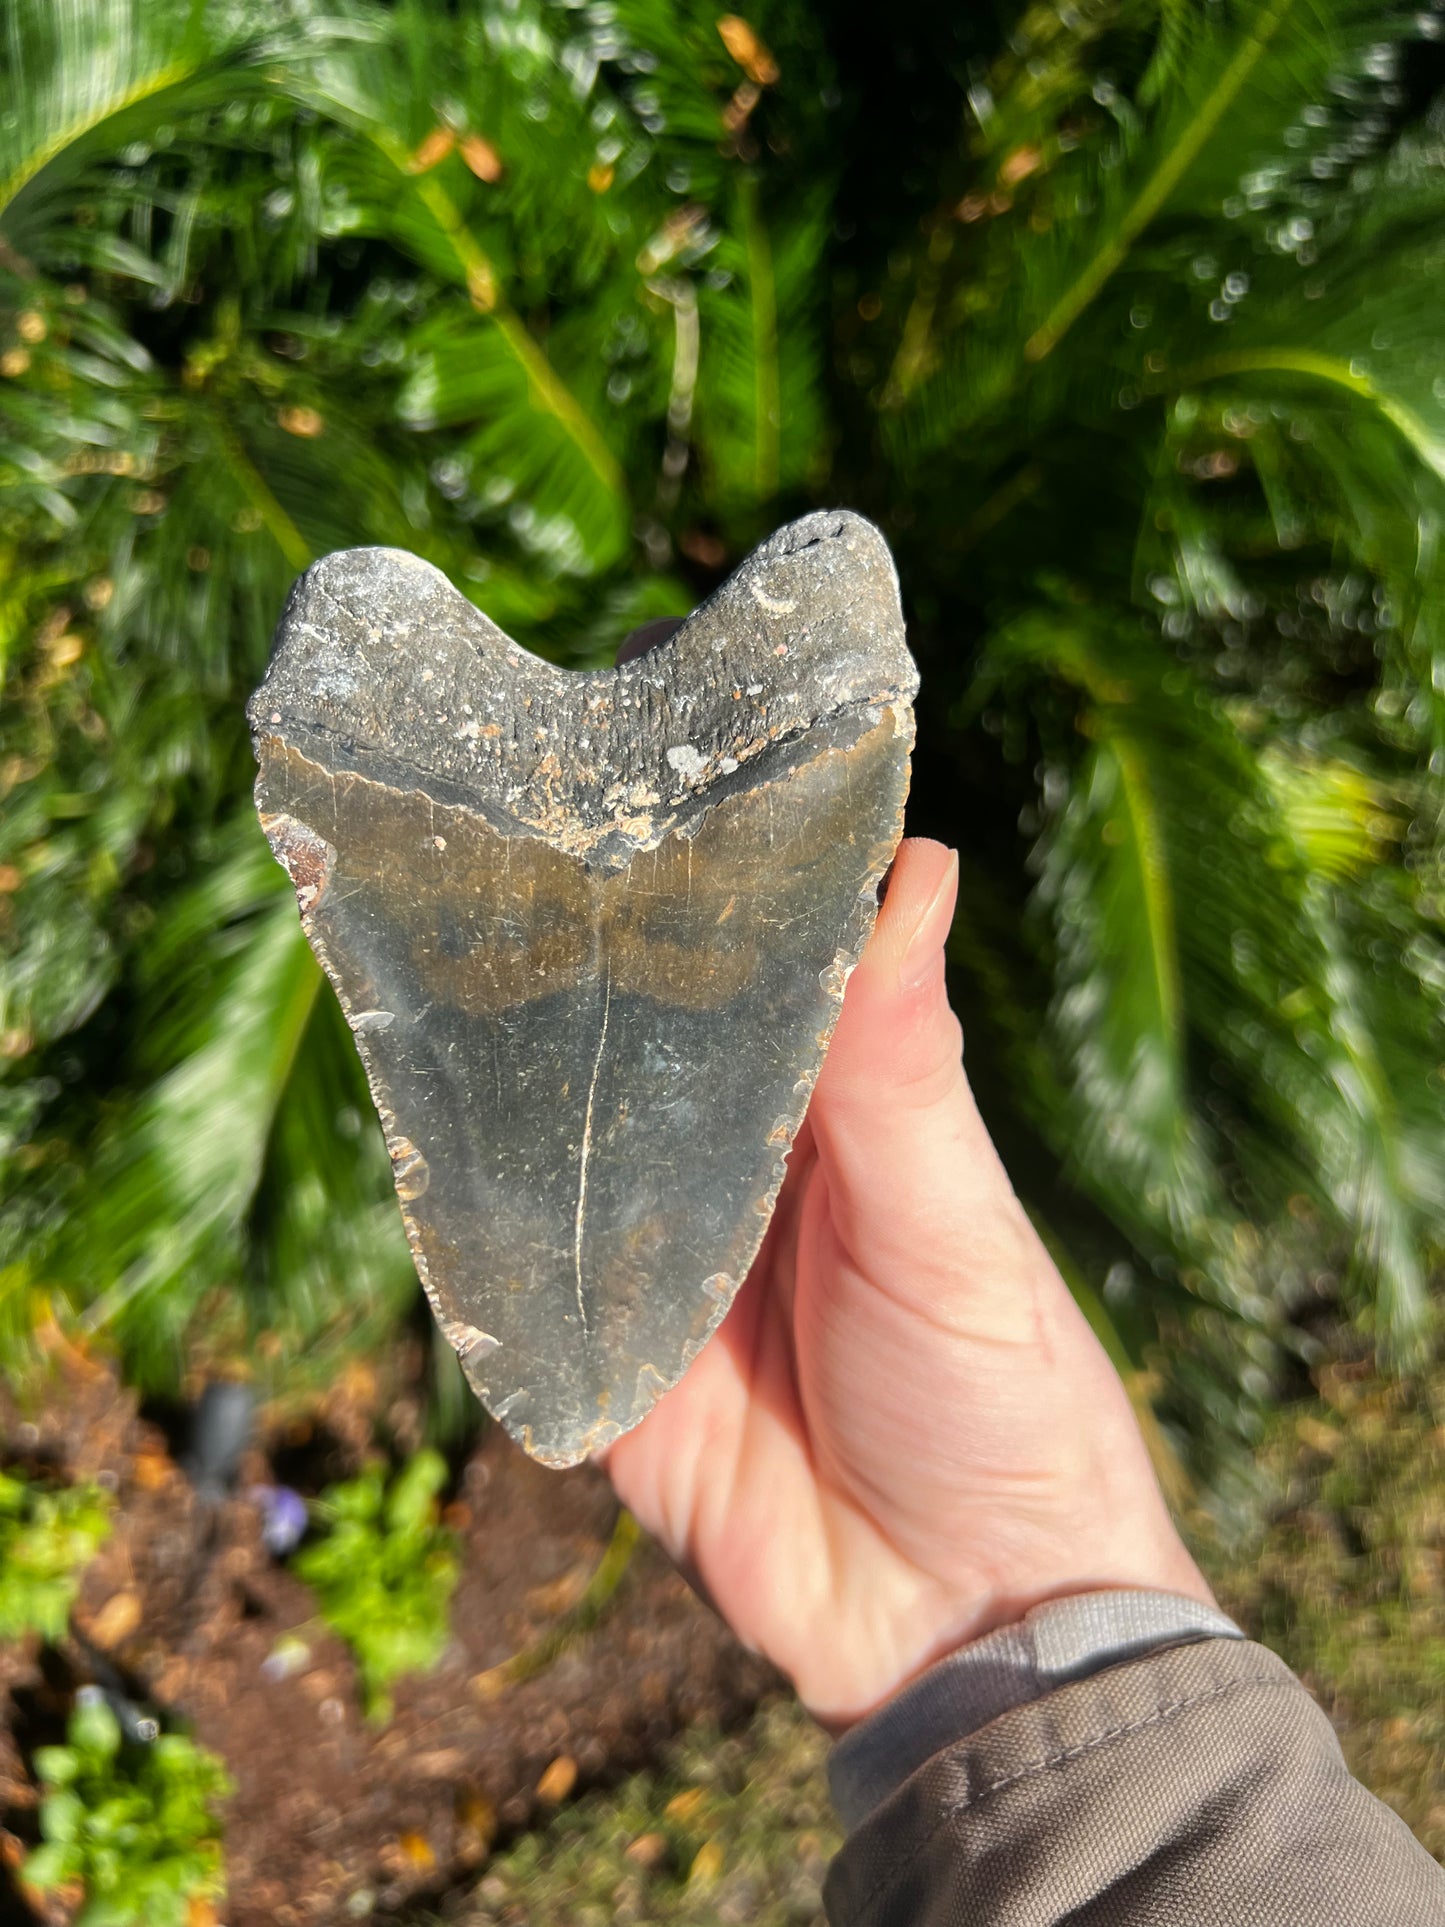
(591, 932)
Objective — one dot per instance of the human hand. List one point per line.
(904, 1433)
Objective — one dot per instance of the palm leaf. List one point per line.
(245, 1181)
(481, 361)
(1260, 985)
(759, 400)
(1123, 317)
(87, 78)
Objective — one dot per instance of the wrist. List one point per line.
(931, 1624)
(1166, 1569)
(1054, 1645)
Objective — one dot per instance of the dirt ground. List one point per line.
(334, 1819)
(630, 1779)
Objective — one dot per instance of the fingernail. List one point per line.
(930, 933)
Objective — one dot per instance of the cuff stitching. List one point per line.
(1161, 1714)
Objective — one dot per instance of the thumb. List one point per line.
(907, 1156)
(897, 1032)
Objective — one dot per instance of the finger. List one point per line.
(907, 1155)
(778, 1257)
(897, 1040)
(925, 1220)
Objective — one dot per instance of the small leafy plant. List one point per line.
(48, 1536)
(133, 1825)
(385, 1571)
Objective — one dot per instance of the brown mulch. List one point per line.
(333, 1817)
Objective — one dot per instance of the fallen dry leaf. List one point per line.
(706, 1866)
(682, 1806)
(493, 1683)
(476, 1825)
(170, 1682)
(1318, 1436)
(558, 1781)
(152, 1470)
(417, 1850)
(116, 1620)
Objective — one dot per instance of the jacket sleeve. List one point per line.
(1196, 1785)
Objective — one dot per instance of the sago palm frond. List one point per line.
(1123, 319)
(1182, 318)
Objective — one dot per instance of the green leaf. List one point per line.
(385, 1572)
(56, 1765)
(411, 1501)
(1183, 138)
(63, 1815)
(50, 1865)
(94, 1730)
(93, 80)
(758, 384)
(523, 438)
(47, 1539)
(173, 1186)
(1131, 337)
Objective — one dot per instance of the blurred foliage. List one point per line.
(384, 1572)
(134, 1826)
(48, 1536)
(1122, 317)
(726, 1827)
(1345, 1576)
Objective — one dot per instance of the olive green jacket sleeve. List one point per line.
(1196, 1786)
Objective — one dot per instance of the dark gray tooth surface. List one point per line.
(591, 933)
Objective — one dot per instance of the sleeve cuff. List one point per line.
(1066, 1639)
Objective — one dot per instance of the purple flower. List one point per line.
(288, 1657)
(284, 1517)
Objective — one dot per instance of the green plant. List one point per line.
(134, 1825)
(1188, 284)
(384, 1572)
(720, 1826)
(1344, 1576)
(48, 1536)
(1132, 344)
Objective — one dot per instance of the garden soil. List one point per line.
(334, 1819)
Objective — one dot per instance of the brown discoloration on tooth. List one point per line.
(308, 859)
(410, 1171)
(591, 933)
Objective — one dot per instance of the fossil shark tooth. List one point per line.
(591, 933)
